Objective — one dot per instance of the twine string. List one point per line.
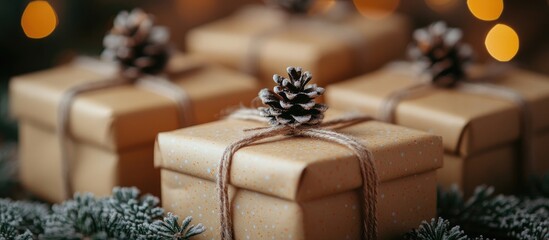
(526, 128)
(251, 62)
(158, 84)
(479, 85)
(367, 166)
(387, 111)
(353, 38)
(63, 129)
(163, 86)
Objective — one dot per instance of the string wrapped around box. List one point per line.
(141, 51)
(291, 111)
(441, 62)
(295, 13)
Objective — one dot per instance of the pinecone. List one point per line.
(292, 101)
(137, 44)
(293, 6)
(439, 50)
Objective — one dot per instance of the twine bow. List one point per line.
(141, 51)
(312, 128)
(442, 61)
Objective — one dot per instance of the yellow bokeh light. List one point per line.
(486, 10)
(39, 19)
(376, 9)
(441, 5)
(502, 42)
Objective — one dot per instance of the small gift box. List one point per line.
(260, 40)
(113, 127)
(291, 187)
(493, 127)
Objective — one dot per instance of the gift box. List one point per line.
(473, 126)
(261, 40)
(187, 14)
(468, 172)
(299, 188)
(113, 129)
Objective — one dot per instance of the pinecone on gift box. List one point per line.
(292, 101)
(137, 44)
(293, 6)
(441, 54)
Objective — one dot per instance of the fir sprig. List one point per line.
(500, 216)
(169, 229)
(124, 215)
(19, 220)
(437, 229)
(494, 216)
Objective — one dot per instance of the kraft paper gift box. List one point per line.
(184, 15)
(113, 129)
(472, 125)
(299, 188)
(259, 38)
(496, 166)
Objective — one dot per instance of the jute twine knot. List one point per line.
(312, 129)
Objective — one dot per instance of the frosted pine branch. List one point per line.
(124, 215)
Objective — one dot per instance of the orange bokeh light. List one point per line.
(39, 19)
(376, 9)
(502, 42)
(486, 10)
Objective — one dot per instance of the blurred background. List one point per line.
(39, 34)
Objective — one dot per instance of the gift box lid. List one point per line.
(297, 168)
(125, 116)
(469, 123)
(327, 48)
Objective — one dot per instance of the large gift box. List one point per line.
(261, 40)
(113, 129)
(299, 188)
(481, 133)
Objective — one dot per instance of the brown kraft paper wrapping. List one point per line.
(299, 171)
(186, 14)
(94, 169)
(112, 127)
(402, 204)
(495, 167)
(114, 118)
(468, 123)
(310, 43)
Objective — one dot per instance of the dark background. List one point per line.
(82, 24)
